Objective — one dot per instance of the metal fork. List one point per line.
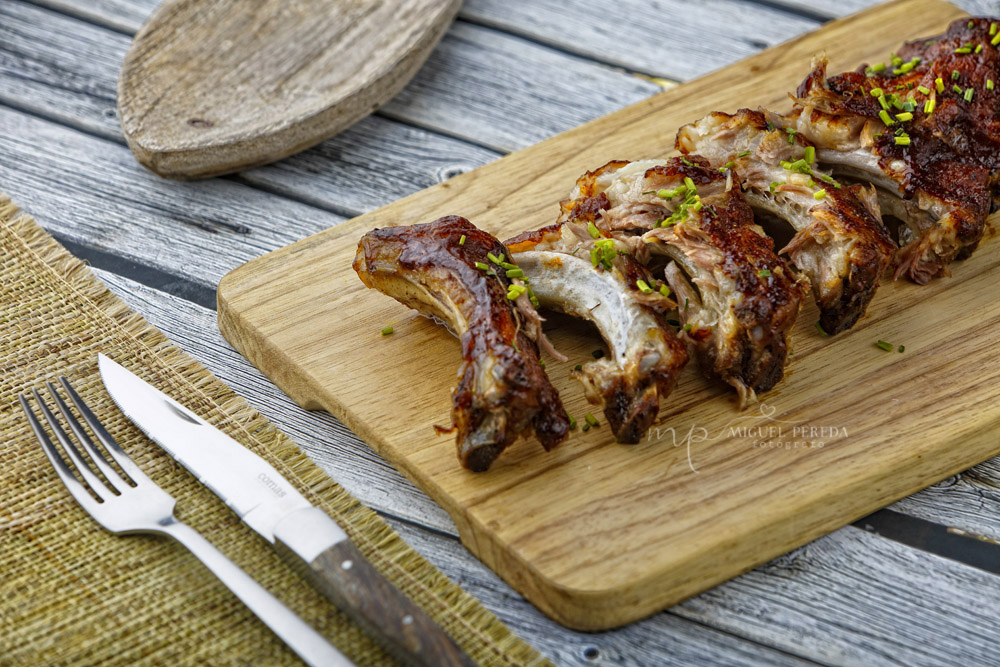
(143, 507)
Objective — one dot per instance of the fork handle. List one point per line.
(296, 633)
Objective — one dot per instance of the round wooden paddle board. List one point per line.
(211, 87)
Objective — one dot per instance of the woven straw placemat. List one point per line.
(73, 593)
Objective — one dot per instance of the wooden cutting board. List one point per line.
(598, 534)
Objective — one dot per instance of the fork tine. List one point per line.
(112, 447)
(74, 453)
(73, 485)
(110, 474)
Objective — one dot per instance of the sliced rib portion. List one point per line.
(865, 127)
(738, 299)
(841, 244)
(503, 391)
(645, 356)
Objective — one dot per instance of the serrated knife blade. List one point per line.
(271, 506)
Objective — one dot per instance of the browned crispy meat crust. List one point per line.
(738, 299)
(503, 391)
(751, 350)
(952, 159)
(840, 244)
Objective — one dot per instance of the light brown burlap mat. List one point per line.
(71, 592)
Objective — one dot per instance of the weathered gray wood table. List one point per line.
(509, 73)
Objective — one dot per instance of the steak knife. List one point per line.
(269, 504)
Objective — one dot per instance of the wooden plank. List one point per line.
(673, 39)
(819, 601)
(274, 314)
(196, 230)
(831, 602)
(472, 88)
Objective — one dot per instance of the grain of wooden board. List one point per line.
(598, 534)
(210, 87)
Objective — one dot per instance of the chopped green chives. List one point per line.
(810, 154)
(884, 345)
(688, 327)
(929, 106)
(963, 50)
(819, 328)
(902, 348)
(904, 116)
(877, 92)
(514, 291)
(819, 194)
(643, 286)
(461, 240)
(791, 135)
(773, 186)
(482, 266)
(586, 427)
(572, 424)
(924, 90)
(878, 67)
(979, 48)
(743, 153)
(989, 84)
(895, 60)
(972, 23)
(903, 140)
(667, 194)
(578, 367)
(764, 273)
(995, 40)
(993, 29)
(955, 74)
(592, 420)
(664, 290)
(597, 354)
(884, 115)
(386, 331)
(689, 184)
(687, 162)
(883, 103)
(496, 260)
(957, 88)
(939, 84)
(968, 94)
(515, 273)
(593, 230)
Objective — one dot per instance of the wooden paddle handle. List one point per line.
(348, 580)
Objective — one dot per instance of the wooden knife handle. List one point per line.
(348, 580)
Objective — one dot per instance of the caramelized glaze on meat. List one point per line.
(737, 318)
(503, 391)
(942, 162)
(840, 244)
